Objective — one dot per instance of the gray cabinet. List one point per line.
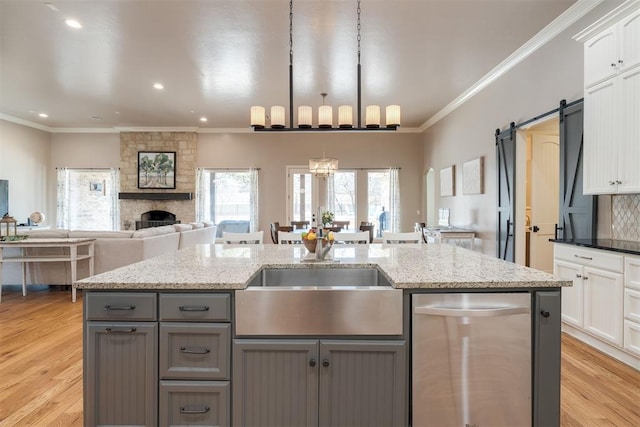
(319, 383)
(194, 359)
(120, 359)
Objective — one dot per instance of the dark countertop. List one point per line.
(624, 246)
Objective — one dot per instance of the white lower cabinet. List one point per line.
(603, 305)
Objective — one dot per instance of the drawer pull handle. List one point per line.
(203, 410)
(194, 308)
(195, 350)
(119, 307)
(120, 330)
(583, 257)
(579, 276)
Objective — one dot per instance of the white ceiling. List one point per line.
(216, 58)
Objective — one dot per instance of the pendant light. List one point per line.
(325, 112)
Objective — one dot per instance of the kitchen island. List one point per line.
(161, 345)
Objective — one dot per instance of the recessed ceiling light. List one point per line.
(43, 115)
(203, 119)
(95, 117)
(158, 86)
(72, 23)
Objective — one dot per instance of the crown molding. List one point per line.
(607, 20)
(23, 122)
(548, 33)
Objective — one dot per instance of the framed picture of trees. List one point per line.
(157, 169)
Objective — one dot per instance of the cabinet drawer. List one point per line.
(632, 337)
(194, 403)
(120, 306)
(194, 350)
(632, 272)
(605, 260)
(195, 307)
(632, 305)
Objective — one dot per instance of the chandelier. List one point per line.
(323, 167)
(325, 112)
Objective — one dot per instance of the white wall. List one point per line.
(533, 87)
(272, 152)
(24, 161)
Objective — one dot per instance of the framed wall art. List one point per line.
(447, 181)
(472, 177)
(156, 170)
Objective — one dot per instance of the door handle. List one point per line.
(471, 312)
(535, 229)
(555, 233)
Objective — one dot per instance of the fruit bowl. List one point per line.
(311, 244)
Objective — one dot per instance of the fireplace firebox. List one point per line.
(156, 218)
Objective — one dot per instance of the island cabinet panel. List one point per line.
(202, 403)
(121, 373)
(546, 367)
(275, 383)
(319, 383)
(362, 383)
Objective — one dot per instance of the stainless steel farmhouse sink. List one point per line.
(319, 301)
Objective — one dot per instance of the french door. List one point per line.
(302, 194)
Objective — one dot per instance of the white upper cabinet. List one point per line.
(612, 102)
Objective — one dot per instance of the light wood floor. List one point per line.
(41, 368)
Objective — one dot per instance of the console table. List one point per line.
(73, 256)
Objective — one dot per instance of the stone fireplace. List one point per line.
(135, 202)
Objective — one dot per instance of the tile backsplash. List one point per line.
(625, 217)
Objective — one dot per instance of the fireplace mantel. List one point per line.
(155, 196)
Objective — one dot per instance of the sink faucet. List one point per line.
(321, 252)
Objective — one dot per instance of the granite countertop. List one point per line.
(624, 246)
(407, 266)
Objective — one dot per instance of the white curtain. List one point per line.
(201, 192)
(331, 194)
(253, 199)
(394, 200)
(62, 198)
(113, 191)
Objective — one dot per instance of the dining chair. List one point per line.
(273, 229)
(342, 224)
(244, 238)
(289, 238)
(368, 227)
(420, 227)
(300, 225)
(411, 237)
(351, 237)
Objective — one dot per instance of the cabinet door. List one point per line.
(275, 383)
(121, 374)
(603, 306)
(629, 33)
(600, 143)
(363, 383)
(629, 141)
(600, 57)
(572, 297)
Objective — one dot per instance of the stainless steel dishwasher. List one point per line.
(471, 360)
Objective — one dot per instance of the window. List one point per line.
(301, 183)
(87, 199)
(378, 200)
(228, 198)
(343, 197)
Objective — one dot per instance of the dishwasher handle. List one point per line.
(471, 312)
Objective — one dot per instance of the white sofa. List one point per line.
(113, 249)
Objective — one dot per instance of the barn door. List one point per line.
(578, 213)
(506, 169)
